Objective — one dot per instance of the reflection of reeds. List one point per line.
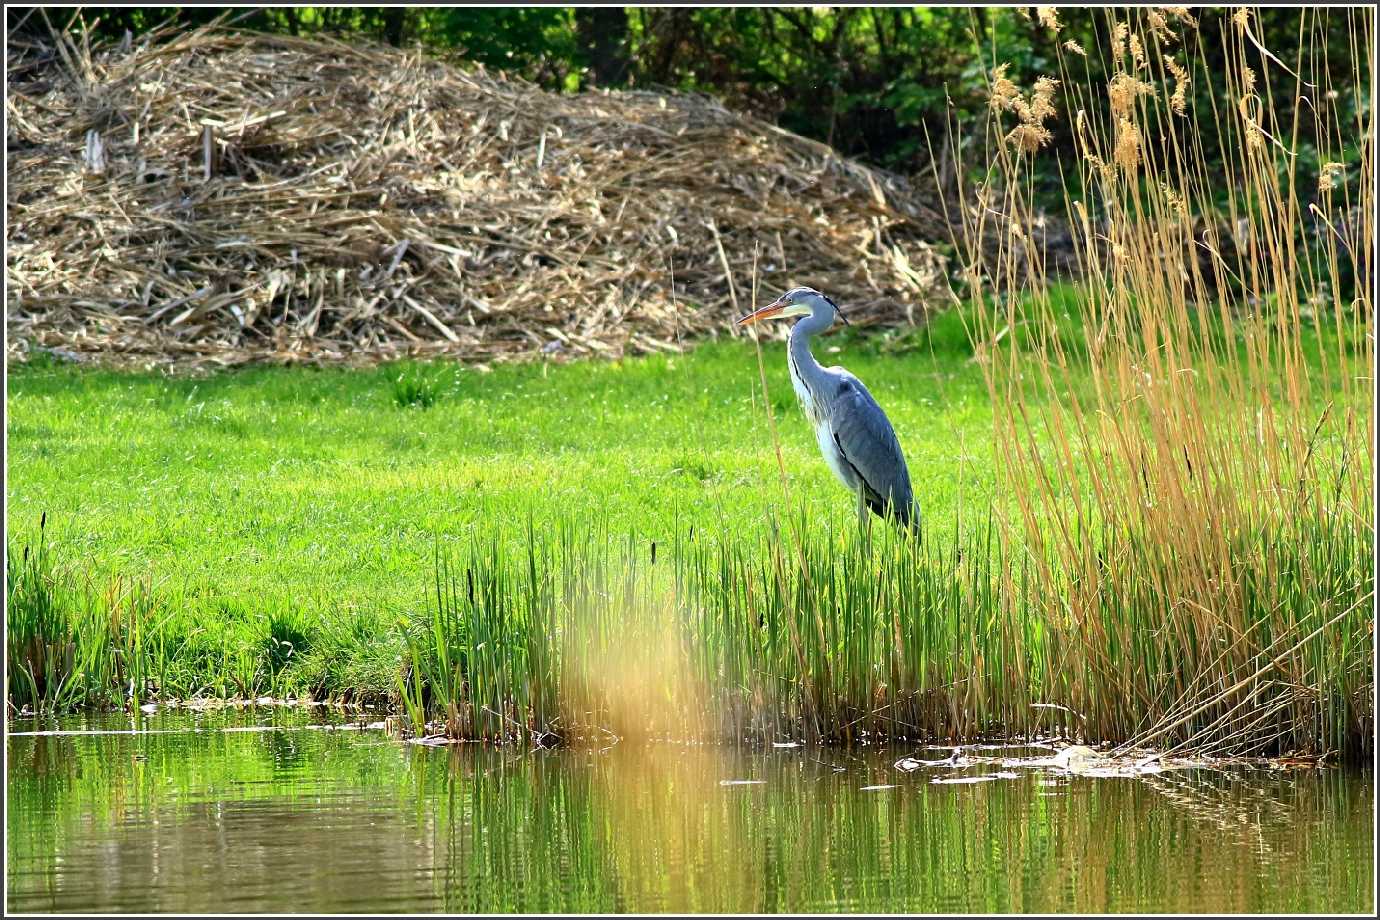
(133, 822)
(652, 829)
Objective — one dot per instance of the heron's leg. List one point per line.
(864, 521)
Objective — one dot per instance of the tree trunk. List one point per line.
(603, 34)
(394, 24)
(668, 31)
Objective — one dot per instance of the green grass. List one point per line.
(324, 494)
(306, 485)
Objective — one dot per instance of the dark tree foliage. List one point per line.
(861, 79)
(873, 82)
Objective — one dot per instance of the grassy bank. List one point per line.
(253, 499)
(591, 547)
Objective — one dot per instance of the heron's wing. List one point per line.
(868, 444)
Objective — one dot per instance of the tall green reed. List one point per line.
(811, 634)
(77, 639)
(72, 642)
(839, 636)
(797, 632)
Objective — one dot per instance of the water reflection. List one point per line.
(298, 818)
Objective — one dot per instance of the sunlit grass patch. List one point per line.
(420, 386)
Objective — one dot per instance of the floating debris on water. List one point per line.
(955, 759)
(431, 741)
(983, 778)
(1081, 760)
(1076, 755)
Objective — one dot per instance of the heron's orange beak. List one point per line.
(756, 316)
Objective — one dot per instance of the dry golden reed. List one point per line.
(1137, 51)
(1030, 133)
(1159, 27)
(1182, 14)
(1198, 523)
(1123, 91)
(1330, 176)
(1178, 101)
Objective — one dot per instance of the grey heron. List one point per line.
(854, 434)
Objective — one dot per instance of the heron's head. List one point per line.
(801, 301)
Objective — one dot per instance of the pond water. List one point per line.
(275, 809)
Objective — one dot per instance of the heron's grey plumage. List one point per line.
(853, 432)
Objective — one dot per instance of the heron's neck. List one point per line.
(802, 360)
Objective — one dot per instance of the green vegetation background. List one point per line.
(873, 82)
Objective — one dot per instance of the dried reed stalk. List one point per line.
(208, 197)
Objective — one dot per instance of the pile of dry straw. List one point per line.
(218, 198)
